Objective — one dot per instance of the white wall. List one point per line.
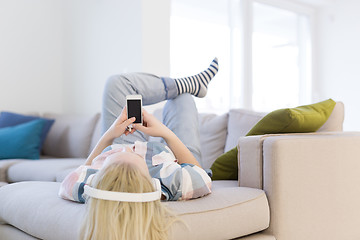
(101, 38)
(156, 36)
(31, 56)
(338, 57)
(56, 55)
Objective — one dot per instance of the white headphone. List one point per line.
(125, 196)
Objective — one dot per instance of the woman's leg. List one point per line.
(153, 89)
(180, 115)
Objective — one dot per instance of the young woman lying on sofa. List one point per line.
(120, 179)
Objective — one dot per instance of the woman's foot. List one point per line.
(197, 85)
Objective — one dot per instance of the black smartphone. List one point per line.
(134, 107)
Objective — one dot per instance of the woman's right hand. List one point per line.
(152, 126)
(119, 126)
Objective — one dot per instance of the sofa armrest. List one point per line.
(250, 161)
(250, 158)
(250, 155)
(312, 184)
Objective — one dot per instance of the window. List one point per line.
(199, 32)
(280, 42)
(264, 52)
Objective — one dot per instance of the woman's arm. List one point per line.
(118, 128)
(155, 128)
(181, 152)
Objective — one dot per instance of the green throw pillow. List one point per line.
(225, 167)
(307, 118)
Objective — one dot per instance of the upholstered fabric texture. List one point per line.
(307, 118)
(335, 120)
(213, 132)
(4, 167)
(43, 170)
(247, 207)
(66, 134)
(312, 179)
(240, 123)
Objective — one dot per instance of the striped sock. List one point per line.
(197, 84)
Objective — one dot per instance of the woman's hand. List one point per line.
(119, 127)
(152, 126)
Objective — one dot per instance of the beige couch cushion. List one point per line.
(258, 236)
(96, 135)
(335, 120)
(46, 216)
(8, 232)
(213, 131)
(41, 170)
(240, 123)
(70, 136)
(4, 166)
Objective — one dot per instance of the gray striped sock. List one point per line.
(197, 84)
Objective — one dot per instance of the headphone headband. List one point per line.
(125, 196)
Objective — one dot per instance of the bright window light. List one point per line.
(276, 40)
(277, 51)
(194, 42)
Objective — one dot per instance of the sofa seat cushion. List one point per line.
(3, 184)
(41, 170)
(229, 212)
(4, 166)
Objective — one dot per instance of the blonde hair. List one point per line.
(112, 220)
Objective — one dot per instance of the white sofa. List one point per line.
(290, 186)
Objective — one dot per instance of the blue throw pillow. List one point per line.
(21, 141)
(9, 119)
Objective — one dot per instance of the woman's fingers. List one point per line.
(139, 127)
(123, 115)
(129, 121)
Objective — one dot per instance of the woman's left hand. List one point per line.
(119, 127)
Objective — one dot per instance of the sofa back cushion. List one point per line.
(9, 119)
(213, 131)
(335, 120)
(241, 121)
(239, 124)
(70, 135)
(96, 136)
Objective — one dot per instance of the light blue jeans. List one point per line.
(179, 115)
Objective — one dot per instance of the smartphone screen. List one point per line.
(134, 109)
